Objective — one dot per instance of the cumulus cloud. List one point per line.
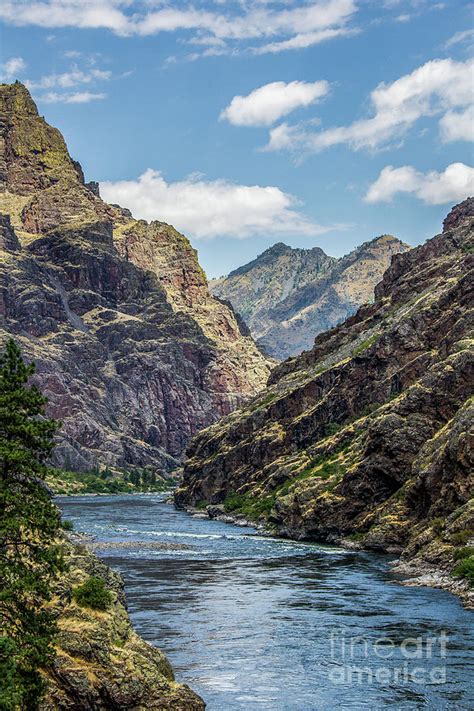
(12, 68)
(254, 20)
(458, 125)
(57, 87)
(207, 209)
(69, 79)
(270, 102)
(454, 184)
(436, 88)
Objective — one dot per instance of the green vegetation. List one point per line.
(317, 468)
(30, 553)
(465, 570)
(250, 506)
(93, 593)
(106, 482)
(365, 345)
(262, 403)
(332, 428)
(465, 552)
(462, 537)
(438, 525)
(254, 507)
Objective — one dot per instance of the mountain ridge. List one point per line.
(365, 439)
(132, 350)
(288, 295)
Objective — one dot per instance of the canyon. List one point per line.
(133, 352)
(366, 439)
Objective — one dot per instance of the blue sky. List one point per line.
(246, 123)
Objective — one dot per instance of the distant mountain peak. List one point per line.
(287, 296)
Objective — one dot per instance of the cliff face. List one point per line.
(132, 351)
(287, 296)
(101, 663)
(367, 435)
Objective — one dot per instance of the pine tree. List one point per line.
(30, 555)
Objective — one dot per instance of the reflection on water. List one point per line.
(254, 623)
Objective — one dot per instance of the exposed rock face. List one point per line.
(287, 296)
(132, 351)
(101, 662)
(369, 434)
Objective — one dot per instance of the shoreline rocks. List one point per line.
(101, 662)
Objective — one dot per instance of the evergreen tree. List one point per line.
(30, 555)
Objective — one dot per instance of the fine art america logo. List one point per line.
(358, 660)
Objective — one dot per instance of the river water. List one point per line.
(260, 624)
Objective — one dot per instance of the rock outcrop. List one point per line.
(368, 436)
(101, 662)
(287, 296)
(133, 352)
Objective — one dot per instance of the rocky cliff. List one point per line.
(287, 296)
(101, 662)
(133, 352)
(368, 436)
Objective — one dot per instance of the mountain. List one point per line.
(366, 437)
(287, 296)
(132, 350)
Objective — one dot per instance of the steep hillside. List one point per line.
(101, 662)
(133, 352)
(369, 434)
(287, 296)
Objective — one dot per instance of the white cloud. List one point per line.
(12, 68)
(270, 102)
(67, 80)
(458, 125)
(435, 88)
(460, 38)
(253, 20)
(77, 97)
(207, 209)
(305, 39)
(66, 13)
(454, 184)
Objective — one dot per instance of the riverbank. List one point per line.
(246, 619)
(415, 572)
(100, 660)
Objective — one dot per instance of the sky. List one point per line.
(248, 123)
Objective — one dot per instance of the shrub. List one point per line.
(251, 506)
(331, 428)
(462, 537)
(465, 570)
(93, 593)
(67, 525)
(465, 552)
(438, 525)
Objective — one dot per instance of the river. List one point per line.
(261, 624)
